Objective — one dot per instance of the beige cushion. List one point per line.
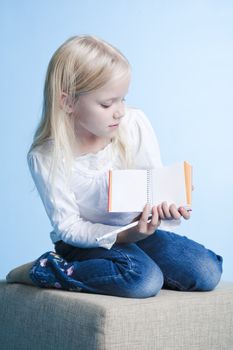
(34, 318)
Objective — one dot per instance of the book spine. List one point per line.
(149, 187)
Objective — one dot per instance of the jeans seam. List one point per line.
(131, 263)
(173, 283)
(119, 275)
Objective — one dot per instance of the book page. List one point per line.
(127, 190)
(168, 184)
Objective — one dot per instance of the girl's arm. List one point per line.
(63, 210)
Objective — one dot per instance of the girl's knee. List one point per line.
(152, 283)
(147, 283)
(211, 271)
(141, 277)
(208, 271)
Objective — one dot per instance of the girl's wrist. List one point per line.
(130, 235)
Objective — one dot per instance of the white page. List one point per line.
(169, 185)
(129, 190)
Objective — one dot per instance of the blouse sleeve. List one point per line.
(62, 208)
(147, 153)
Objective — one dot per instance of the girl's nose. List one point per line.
(119, 113)
(117, 116)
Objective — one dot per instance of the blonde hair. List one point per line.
(80, 65)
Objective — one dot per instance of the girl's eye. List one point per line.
(105, 106)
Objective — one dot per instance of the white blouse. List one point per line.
(78, 212)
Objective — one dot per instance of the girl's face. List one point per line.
(98, 114)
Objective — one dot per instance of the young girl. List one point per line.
(85, 130)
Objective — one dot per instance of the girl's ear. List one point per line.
(66, 103)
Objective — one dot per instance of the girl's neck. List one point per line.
(85, 146)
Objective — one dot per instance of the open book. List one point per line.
(129, 190)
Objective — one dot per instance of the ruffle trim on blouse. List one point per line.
(93, 164)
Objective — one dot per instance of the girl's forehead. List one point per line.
(114, 89)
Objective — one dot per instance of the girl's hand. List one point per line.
(171, 212)
(148, 228)
(143, 228)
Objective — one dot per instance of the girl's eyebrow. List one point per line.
(111, 99)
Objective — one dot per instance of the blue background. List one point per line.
(181, 54)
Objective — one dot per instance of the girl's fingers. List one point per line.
(174, 212)
(160, 212)
(155, 217)
(166, 211)
(184, 213)
(142, 225)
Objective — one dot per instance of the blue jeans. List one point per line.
(134, 270)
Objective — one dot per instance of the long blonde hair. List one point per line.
(80, 65)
